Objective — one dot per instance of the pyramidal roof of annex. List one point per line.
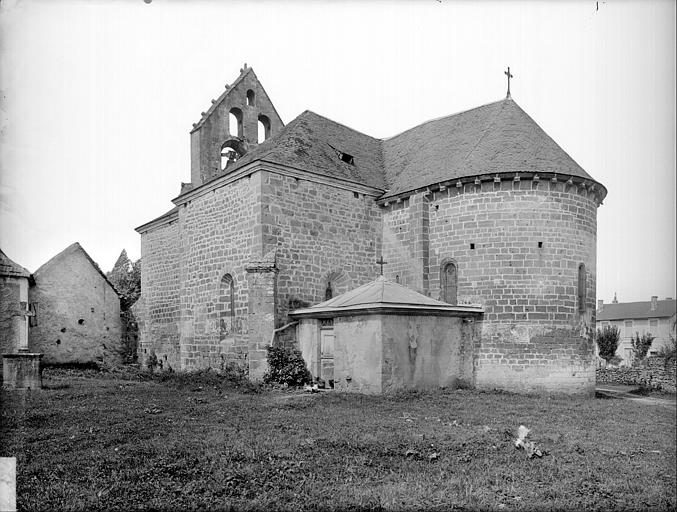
(383, 296)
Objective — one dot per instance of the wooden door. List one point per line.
(327, 357)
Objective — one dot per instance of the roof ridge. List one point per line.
(446, 117)
(340, 124)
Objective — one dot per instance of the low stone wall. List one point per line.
(654, 373)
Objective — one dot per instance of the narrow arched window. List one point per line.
(449, 283)
(250, 98)
(582, 284)
(328, 292)
(226, 307)
(263, 128)
(235, 122)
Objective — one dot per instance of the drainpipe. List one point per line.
(280, 329)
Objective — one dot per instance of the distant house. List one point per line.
(655, 317)
(78, 311)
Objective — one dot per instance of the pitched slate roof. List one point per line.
(382, 294)
(313, 143)
(495, 138)
(9, 268)
(637, 310)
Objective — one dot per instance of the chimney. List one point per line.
(600, 304)
(654, 303)
(615, 301)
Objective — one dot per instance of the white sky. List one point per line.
(99, 97)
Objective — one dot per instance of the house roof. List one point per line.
(495, 138)
(314, 144)
(9, 268)
(68, 251)
(382, 295)
(637, 310)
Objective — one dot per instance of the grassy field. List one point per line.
(93, 441)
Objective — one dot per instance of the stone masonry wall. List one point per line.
(323, 233)
(10, 313)
(78, 313)
(654, 373)
(528, 239)
(219, 233)
(158, 307)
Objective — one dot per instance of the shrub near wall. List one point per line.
(654, 373)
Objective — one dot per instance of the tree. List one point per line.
(126, 278)
(641, 345)
(607, 341)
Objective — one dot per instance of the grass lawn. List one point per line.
(100, 442)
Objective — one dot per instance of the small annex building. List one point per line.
(383, 337)
(78, 311)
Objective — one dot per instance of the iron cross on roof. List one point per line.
(381, 262)
(507, 73)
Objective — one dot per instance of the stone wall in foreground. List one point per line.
(654, 373)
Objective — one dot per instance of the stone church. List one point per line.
(477, 208)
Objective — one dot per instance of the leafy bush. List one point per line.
(615, 360)
(641, 345)
(669, 351)
(607, 341)
(286, 366)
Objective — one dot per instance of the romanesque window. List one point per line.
(235, 122)
(250, 98)
(264, 128)
(582, 284)
(226, 307)
(328, 293)
(449, 283)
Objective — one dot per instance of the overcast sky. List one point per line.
(99, 98)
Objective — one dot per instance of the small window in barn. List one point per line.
(263, 128)
(472, 247)
(540, 245)
(81, 322)
(58, 342)
(356, 195)
(235, 122)
(449, 283)
(226, 307)
(582, 283)
(250, 98)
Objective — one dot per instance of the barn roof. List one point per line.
(68, 251)
(382, 296)
(9, 268)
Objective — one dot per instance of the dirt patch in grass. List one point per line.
(104, 442)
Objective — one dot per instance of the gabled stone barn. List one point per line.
(78, 311)
(478, 207)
